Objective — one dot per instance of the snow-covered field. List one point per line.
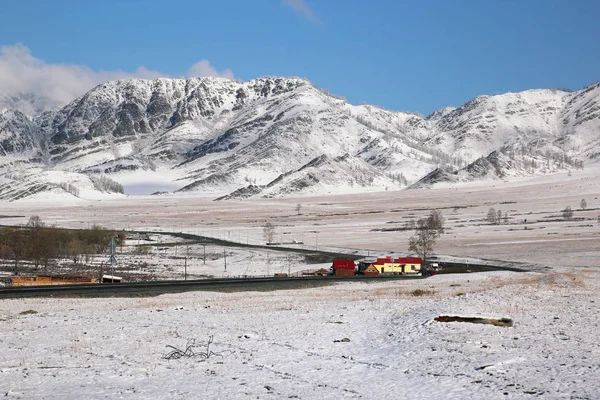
(535, 230)
(289, 344)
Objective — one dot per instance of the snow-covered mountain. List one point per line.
(281, 136)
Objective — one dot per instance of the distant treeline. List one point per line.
(39, 244)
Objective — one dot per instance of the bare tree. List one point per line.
(427, 231)
(492, 216)
(583, 204)
(269, 232)
(435, 221)
(567, 213)
(499, 216)
(35, 241)
(298, 208)
(35, 222)
(506, 217)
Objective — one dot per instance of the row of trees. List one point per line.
(104, 184)
(428, 229)
(567, 213)
(38, 243)
(496, 217)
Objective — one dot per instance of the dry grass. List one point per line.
(575, 279)
(422, 292)
(414, 292)
(564, 279)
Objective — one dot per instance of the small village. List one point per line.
(385, 265)
(379, 266)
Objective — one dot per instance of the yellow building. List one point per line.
(403, 265)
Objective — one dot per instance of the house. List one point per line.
(370, 270)
(402, 265)
(343, 267)
(364, 264)
(411, 265)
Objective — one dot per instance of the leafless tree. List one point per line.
(298, 208)
(492, 217)
(427, 231)
(567, 213)
(435, 221)
(269, 232)
(499, 216)
(35, 222)
(583, 204)
(35, 241)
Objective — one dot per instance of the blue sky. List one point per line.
(402, 55)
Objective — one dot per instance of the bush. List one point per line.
(492, 216)
(421, 292)
(567, 213)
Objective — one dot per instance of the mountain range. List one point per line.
(273, 137)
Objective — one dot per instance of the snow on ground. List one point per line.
(289, 344)
(371, 223)
(165, 260)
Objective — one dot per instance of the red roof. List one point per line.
(408, 260)
(401, 260)
(343, 264)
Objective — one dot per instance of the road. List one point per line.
(134, 289)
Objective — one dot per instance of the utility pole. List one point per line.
(187, 254)
(113, 259)
(225, 258)
(204, 256)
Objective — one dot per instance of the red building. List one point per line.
(343, 267)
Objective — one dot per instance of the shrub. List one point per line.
(567, 213)
(422, 292)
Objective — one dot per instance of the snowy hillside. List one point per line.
(274, 137)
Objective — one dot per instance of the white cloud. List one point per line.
(203, 68)
(301, 7)
(57, 84)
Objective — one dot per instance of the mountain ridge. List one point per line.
(259, 138)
